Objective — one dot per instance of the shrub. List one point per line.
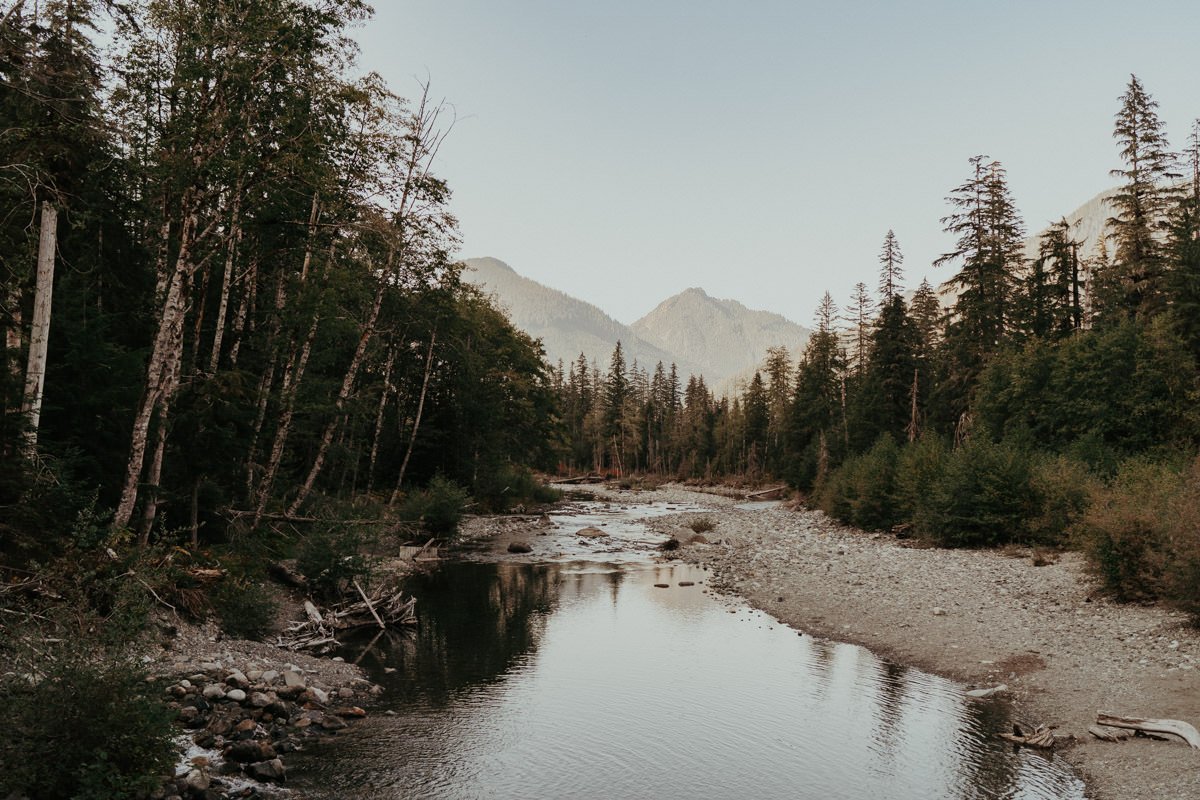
(438, 507)
(702, 525)
(1126, 529)
(245, 608)
(330, 558)
(862, 491)
(1063, 488)
(918, 469)
(84, 730)
(983, 496)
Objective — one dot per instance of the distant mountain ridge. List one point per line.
(701, 335)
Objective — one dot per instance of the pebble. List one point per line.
(213, 691)
(236, 695)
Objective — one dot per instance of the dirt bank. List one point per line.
(980, 617)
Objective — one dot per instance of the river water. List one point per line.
(574, 674)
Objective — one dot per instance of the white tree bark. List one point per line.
(39, 331)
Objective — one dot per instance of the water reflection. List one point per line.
(584, 680)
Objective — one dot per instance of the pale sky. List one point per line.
(624, 150)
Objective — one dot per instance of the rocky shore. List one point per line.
(1032, 621)
(243, 706)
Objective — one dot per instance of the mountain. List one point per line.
(1088, 223)
(723, 335)
(566, 325)
(720, 339)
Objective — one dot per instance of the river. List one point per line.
(594, 669)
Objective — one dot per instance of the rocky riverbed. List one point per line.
(242, 706)
(1035, 624)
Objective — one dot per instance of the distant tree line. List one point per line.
(226, 276)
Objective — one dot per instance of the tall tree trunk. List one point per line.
(163, 354)
(379, 414)
(348, 381)
(245, 302)
(39, 331)
(412, 437)
(235, 236)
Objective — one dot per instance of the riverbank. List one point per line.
(981, 617)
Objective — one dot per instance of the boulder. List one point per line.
(236, 695)
(250, 750)
(236, 679)
(293, 680)
(259, 700)
(266, 771)
(519, 547)
(591, 533)
(213, 691)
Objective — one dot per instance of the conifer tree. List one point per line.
(1143, 202)
(1184, 249)
(859, 314)
(891, 275)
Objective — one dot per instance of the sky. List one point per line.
(624, 150)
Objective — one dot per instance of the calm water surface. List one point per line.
(577, 677)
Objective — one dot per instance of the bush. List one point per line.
(1127, 527)
(330, 558)
(1063, 489)
(92, 731)
(245, 608)
(438, 507)
(918, 469)
(983, 496)
(702, 525)
(862, 491)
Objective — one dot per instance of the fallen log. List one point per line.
(767, 494)
(1173, 727)
(1107, 734)
(1040, 737)
(286, 575)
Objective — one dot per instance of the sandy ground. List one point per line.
(981, 617)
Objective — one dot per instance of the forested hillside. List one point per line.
(228, 279)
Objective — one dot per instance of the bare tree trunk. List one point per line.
(235, 236)
(412, 438)
(39, 331)
(162, 357)
(914, 420)
(364, 340)
(383, 398)
(249, 284)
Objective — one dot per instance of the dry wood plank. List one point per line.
(1040, 737)
(1173, 727)
(370, 606)
(1107, 734)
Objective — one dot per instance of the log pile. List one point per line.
(1040, 737)
(382, 608)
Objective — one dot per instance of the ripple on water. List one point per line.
(581, 679)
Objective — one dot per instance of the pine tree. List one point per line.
(926, 315)
(1184, 250)
(891, 274)
(1143, 203)
(859, 314)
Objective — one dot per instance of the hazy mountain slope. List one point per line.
(723, 335)
(566, 325)
(1087, 225)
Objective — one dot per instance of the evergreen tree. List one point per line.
(926, 315)
(1143, 203)
(891, 275)
(1184, 250)
(859, 314)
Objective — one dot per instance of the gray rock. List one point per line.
(213, 691)
(197, 780)
(236, 679)
(270, 676)
(236, 695)
(293, 680)
(318, 695)
(981, 693)
(266, 771)
(519, 547)
(591, 532)
(259, 700)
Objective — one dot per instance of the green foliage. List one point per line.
(331, 557)
(983, 496)
(438, 507)
(505, 489)
(918, 470)
(702, 525)
(92, 730)
(1063, 489)
(863, 490)
(245, 608)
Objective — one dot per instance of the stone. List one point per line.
(981, 693)
(236, 695)
(237, 679)
(331, 723)
(197, 780)
(317, 695)
(254, 674)
(349, 711)
(213, 691)
(591, 532)
(293, 680)
(269, 676)
(519, 547)
(938, 611)
(698, 538)
(662, 586)
(250, 750)
(266, 771)
(345, 693)
(259, 700)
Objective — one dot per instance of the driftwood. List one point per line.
(319, 630)
(1172, 727)
(1106, 734)
(1040, 737)
(768, 494)
(581, 479)
(285, 574)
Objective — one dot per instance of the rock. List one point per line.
(188, 713)
(269, 677)
(237, 679)
(698, 538)
(197, 781)
(213, 691)
(259, 700)
(331, 723)
(687, 583)
(662, 586)
(349, 711)
(250, 750)
(317, 695)
(519, 547)
(293, 680)
(591, 532)
(345, 694)
(254, 674)
(266, 771)
(938, 611)
(236, 695)
(981, 693)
